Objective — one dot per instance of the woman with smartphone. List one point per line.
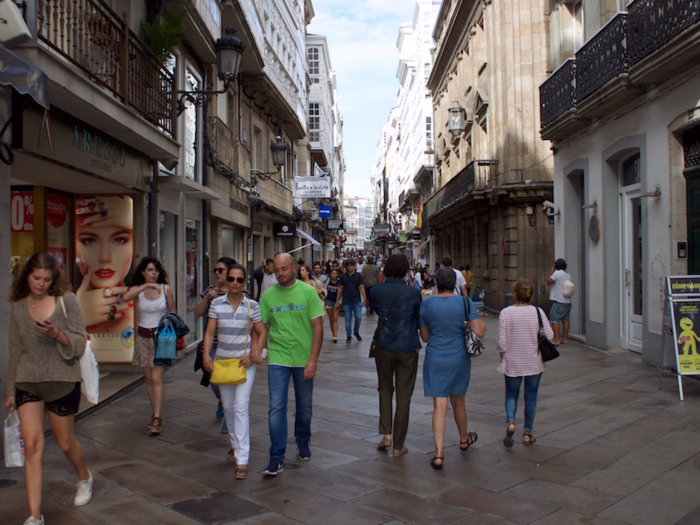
(46, 342)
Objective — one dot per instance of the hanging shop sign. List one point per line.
(61, 138)
(335, 224)
(104, 250)
(324, 212)
(416, 233)
(284, 230)
(312, 187)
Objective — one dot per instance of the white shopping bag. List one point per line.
(14, 443)
(89, 375)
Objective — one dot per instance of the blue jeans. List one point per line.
(278, 381)
(351, 309)
(532, 384)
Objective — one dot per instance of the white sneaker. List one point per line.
(84, 494)
(31, 520)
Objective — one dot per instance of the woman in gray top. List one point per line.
(46, 342)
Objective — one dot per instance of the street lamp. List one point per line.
(279, 157)
(229, 51)
(456, 120)
(409, 210)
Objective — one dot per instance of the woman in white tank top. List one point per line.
(155, 299)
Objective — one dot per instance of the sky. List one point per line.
(362, 37)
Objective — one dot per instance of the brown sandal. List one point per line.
(231, 455)
(156, 425)
(528, 438)
(241, 472)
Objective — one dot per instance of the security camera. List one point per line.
(547, 205)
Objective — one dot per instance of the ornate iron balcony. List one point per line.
(652, 23)
(558, 93)
(95, 39)
(602, 58)
(477, 175)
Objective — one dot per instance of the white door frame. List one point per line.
(631, 321)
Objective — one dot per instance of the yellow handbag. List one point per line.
(230, 371)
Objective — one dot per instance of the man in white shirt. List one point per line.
(269, 279)
(460, 284)
(559, 313)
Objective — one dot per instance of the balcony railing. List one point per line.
(558, 93)
(94, 38)
(477, 175)
(652, 23)
(602, 58)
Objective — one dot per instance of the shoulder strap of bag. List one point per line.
(63, 307)
(247, 332)
(467, 309)
(539, 317)
(379, 333)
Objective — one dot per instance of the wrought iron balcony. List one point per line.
(477, 175)
(94, 38)
(558, 93)
(602, 58)
(652, 23)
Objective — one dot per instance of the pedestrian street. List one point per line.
(611, 449)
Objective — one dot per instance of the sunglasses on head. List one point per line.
(239, 280)
(219, 270)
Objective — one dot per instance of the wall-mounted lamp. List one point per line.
(409, 210)
(530, 212)
(456, 120)
(279, 156)
(229, 51)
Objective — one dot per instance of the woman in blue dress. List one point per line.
(447, 366)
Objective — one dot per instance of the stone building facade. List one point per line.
(492, 170)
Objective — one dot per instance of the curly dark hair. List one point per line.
(137, 278)
(40, 261)
(396, 266)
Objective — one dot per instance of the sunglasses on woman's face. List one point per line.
(219, 270)
(239, 280)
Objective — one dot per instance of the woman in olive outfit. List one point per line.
(396, 356)
(46, 342)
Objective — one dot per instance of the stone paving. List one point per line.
(612, 448)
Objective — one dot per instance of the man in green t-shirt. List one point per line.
(294, 316)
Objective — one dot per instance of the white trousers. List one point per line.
(236, 400)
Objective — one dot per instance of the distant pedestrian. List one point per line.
(447, 365)
(331, 303)
(397, 346)
(233, 318)
(460, 284)
(561, 307)
(352, 291)
(518, 326)
(318, 273)
(155, 298)
(370, 278)
(201, 309)
(47, 338)
(304, 275)
(468, 278)
(269, 278)
(294, 315)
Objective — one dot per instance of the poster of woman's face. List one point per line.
(104, 250)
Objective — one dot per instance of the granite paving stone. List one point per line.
(217, 508)
(664, 501)
(585, 501)
(410, 508)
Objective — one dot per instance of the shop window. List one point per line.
(192, 285)
(167, 246)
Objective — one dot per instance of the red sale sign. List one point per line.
(22, 211)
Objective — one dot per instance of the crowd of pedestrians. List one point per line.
(283, 324)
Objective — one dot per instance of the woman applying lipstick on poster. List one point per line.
(104, 251)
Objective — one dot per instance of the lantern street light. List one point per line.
(229, 51)
(409, 210)
(456, 120)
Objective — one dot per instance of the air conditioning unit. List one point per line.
(13, 30)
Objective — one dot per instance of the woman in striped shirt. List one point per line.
(518, 326)
(234, 318)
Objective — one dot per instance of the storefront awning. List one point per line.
(312, 242)
(24, 77)
(308, 237)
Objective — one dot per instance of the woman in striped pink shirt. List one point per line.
(518, 326)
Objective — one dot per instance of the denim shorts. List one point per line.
(559, 313)
(329, 304)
